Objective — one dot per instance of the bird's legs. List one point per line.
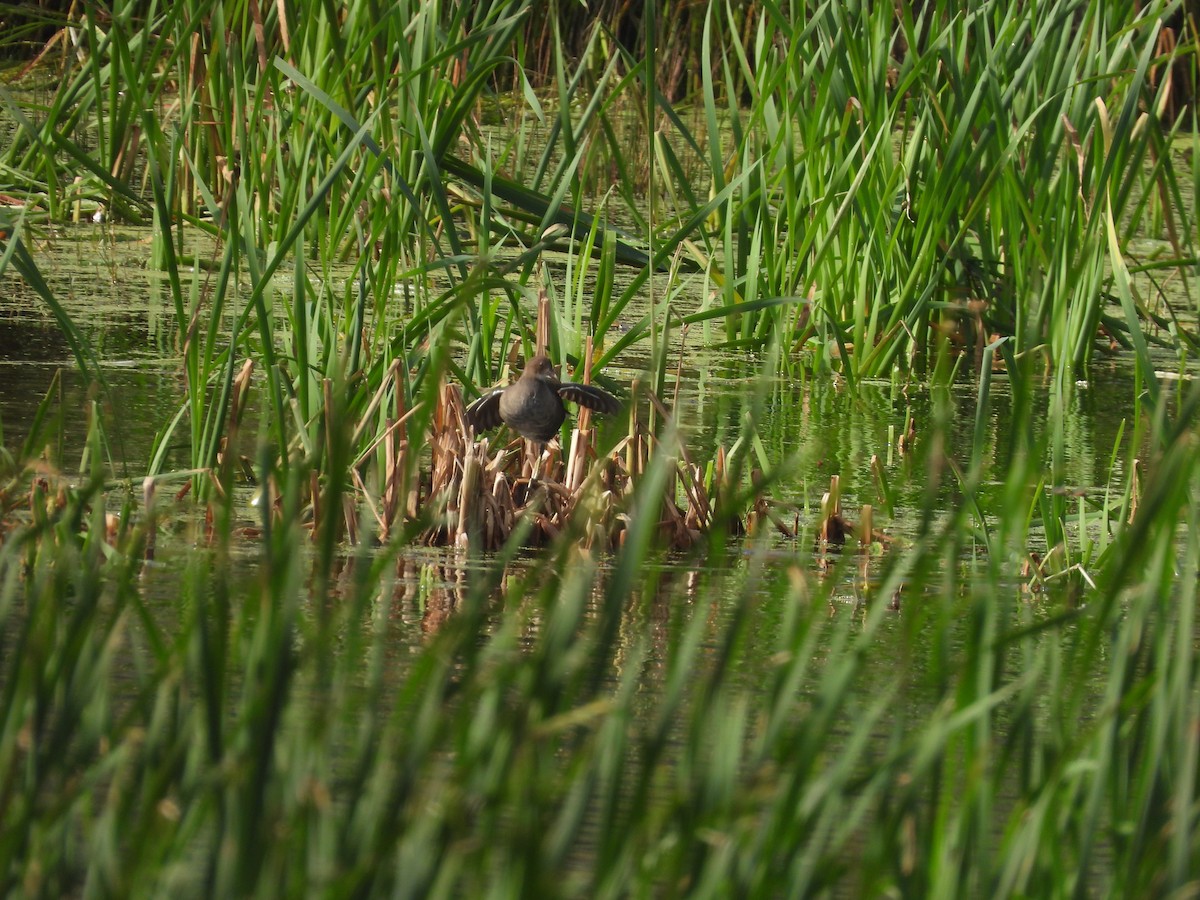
(539, 456)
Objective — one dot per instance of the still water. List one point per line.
(817, 425)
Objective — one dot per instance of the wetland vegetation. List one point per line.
(883, 582)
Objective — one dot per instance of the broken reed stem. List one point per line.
(241, 385)
(1135, 490)
(543, 321)
(468, 499)
(866, 526)
(576, 459)
(585, 414)
(390, 478)
(401, 459)
(631, 451)
(149, 489)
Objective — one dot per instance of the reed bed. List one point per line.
(476, 495)
(858, 190)
(1004, 702)
(580, 726)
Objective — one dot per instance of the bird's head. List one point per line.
(540, 366)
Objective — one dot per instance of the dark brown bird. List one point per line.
(532, 406)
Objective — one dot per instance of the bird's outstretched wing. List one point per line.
(484, 413)
(590, 396)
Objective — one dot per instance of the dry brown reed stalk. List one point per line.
(543, 321)
(1135, 490)
(227, 448)
(393, 468)
(479, 495)
(865, 540)
(469, 503)
(833, 528)
(686, 525)
(906, 440)
(447, 446)
(395, 451)
(865, 527)
(149, 490)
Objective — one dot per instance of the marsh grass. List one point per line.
(897, 179)
(907, 191)
(582, 726)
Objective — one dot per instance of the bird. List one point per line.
(532, 406)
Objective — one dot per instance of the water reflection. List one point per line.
(811, 428)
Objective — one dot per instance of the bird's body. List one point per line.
(532, 405)
(533, 408)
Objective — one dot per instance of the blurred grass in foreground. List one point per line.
(579, 726)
